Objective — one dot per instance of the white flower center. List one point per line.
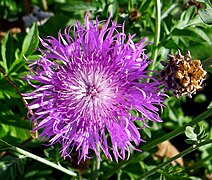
(91, 90)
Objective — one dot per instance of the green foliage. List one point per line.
(11, 166)
(206, 11)
(195, 135)
(185, 31)
(12, 125)
(210, 105)
(207, 64)
(173, 173)
(30, 42)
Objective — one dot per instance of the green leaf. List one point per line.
(191, 34)
(113, 7)
(200, 131)
(77, 6)
(145, 5)
(187, 19)
(133, 171)
(207, 64)
(147, 131)
(5, 88)
(210, 105)
(195, 134)
(18, 64)
(29, 45)
(17, 128)
(190, 141)
(200, 98)
(199, 32)
(31, 42)
(3, 52)
(170, 44)
(174, 173)
(189, 132)
(10, 164)
(4, 130)
(206, 15)
(38, 171)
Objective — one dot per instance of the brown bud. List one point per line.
(182, 75)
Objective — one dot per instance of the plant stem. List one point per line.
(189, 150)
(157, 141)
(33, 134)
(16, 88)
(157, 35)
(96, 167)
(178, 131)
(42, 160)
(199, 163)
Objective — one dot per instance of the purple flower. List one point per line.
(87, 85)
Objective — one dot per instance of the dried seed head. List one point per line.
(182, 75)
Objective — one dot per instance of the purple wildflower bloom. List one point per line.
(88, 85)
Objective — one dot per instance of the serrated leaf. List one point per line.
(3, 52)
(189, 33)
(13, 172)
(174, 173)
(31, 42)
(17, 65)
(201, 34)
(9, 165)
(29, 45)
(206, 15)
(187, 19)
(189, 132)
(20, 166)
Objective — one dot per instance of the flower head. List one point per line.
(88, 85)
(183, 75)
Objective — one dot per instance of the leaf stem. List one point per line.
(183, 153)
(157, 141)
(157, 35)
(42, 160)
